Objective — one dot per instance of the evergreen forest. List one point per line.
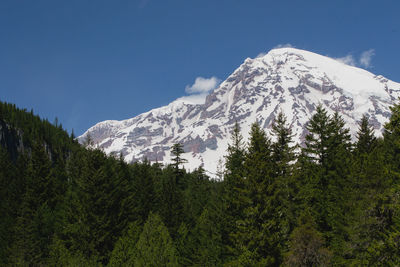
(328, 202)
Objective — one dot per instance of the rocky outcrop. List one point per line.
(11, 140)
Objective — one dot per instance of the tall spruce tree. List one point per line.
(366, 176)
(283, 201)
(176, 152)
(392, 140)
(236, 155)
(256, 240)
(327, 151)
(366, 141)
(385, 246)
(234, 194)
(282, 148)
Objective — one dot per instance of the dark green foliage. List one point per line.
(336, 203)
(155, 246)
(257, 230)
(236, 154)
(327, 167)
(95, 210)
(185, 246)
(196, 195)
(61, 256)
(392, 141)
(234, 194)
(366, 141)
(170, 205)
(177, 151)
(143, 191)
(207, 234)
(124, 249)
(9, 192)
(208, 237)
(283, 200)
(282, 148)
(35, 223)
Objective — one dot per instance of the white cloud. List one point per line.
(364, 61)
(284, 46)
(366, 57)
(199, 90)
(349, 60)
(202, 85)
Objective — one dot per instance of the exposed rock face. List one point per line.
(294, 81)
(11, 140)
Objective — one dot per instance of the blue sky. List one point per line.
(88, 61)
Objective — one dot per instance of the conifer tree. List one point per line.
(143, 190)
(236, 154)
(283, 201)
(327, 146)
(65, 205)
(35, 223)
(61, 256)
(209, 240)
(155, 246)
(366, 141)
(317, 141)
(124, 249)
(367, 177)
(196, 195)
(173, 185)
(327, 151)
(124, 195)
(282, 148)
(366, 153)
(186, 245)
(392, 139)
(255, 239)
(234, 195)
(386, 212)
(258, 163)
(177, 151)
(170, 204)
(8, 207)
(94, 212)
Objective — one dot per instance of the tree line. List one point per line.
(328, 202)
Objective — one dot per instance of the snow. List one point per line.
(302, 77)
(197, 99)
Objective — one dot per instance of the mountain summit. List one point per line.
(286, 79)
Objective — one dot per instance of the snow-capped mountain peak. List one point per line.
(286, 79)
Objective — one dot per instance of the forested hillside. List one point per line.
(330, 202)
